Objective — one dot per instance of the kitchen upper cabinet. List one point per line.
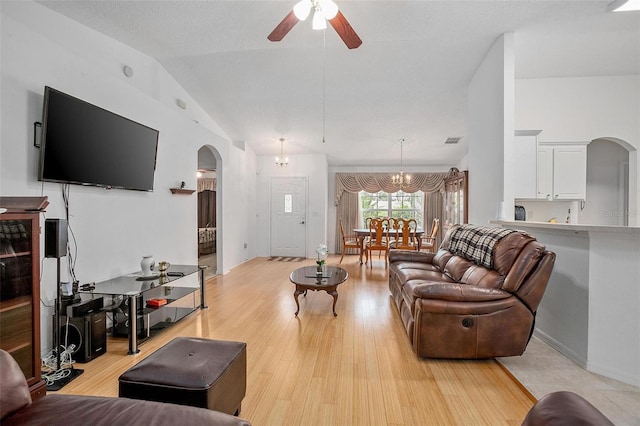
(525, 160)
(562, 171)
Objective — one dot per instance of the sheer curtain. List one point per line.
(433, 209)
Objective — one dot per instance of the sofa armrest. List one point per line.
(14, 391)
(455, 292)
(396, 255)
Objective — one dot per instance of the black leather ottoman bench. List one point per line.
(191, 371)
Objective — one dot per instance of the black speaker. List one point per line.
(85, 307)
(55, 238)
(88, 334)
(120, 318)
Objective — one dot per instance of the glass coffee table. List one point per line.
(306, 278)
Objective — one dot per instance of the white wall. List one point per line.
(313, 167)
(491, 133)
(112, 229)
(584, 109)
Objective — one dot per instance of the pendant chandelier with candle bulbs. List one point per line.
(282, 161)
(401, 180)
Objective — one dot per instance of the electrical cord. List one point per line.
(50, 371)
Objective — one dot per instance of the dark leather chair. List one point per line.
(564, 409)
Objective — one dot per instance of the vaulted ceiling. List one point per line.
(407, 80)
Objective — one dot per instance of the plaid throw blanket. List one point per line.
(476, 243)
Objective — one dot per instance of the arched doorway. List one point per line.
(209, 208)
(607, 200)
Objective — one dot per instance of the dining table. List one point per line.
(362, 234)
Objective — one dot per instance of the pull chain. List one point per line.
(324, 82)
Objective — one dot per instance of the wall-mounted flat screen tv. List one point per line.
(88, 145)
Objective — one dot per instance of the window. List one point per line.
(399, 204)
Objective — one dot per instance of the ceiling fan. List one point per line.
(324, 10)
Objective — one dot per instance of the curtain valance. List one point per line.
(206, 184)
(375, 182)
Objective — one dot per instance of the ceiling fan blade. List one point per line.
(283, 27)
(345, 31)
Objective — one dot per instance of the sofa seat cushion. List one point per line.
(458, 292)
(466, 308)
(399, 266)
(405, 275)
(448, 292)
(71, 410)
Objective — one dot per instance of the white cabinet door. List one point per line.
(525, 166)
(569, 172)
(544, 182)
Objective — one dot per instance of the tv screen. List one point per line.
(87, 145)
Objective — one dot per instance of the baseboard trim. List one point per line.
(569, 353)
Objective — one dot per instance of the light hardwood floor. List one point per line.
(354, 369)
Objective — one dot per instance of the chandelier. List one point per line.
(323, 10)
(401, 180)
(282, 161)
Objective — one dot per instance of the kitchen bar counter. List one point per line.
(567, 226)
(591, 309)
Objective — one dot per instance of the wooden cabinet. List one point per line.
(20, 294)
(456, 195)
(562, 172)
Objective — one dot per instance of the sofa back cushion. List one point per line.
(477, 243)
(14, 391)
(508, 249)
(463, 256)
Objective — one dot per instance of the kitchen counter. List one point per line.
(591, 309)
(567, 226)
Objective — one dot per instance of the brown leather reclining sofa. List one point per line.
(16, 407)
(476, 297)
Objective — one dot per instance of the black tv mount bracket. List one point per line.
(36, 125)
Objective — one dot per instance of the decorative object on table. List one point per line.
(322, 251)
(162, 267)
(156, 302)
(146, 265)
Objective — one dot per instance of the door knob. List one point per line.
(302, 223)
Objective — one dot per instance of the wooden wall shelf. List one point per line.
(182, 191)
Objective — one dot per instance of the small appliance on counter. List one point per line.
(521, 213)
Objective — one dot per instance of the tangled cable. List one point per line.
(50, 373)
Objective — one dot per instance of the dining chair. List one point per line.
(406, 235)
(348, 242)
(428, 243)
(378, 239)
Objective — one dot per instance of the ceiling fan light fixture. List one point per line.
(319, 23)
(624, 6)
(302, 9)
(329, 8)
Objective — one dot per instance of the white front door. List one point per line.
(288, 217)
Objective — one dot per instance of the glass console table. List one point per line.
(132, 292)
